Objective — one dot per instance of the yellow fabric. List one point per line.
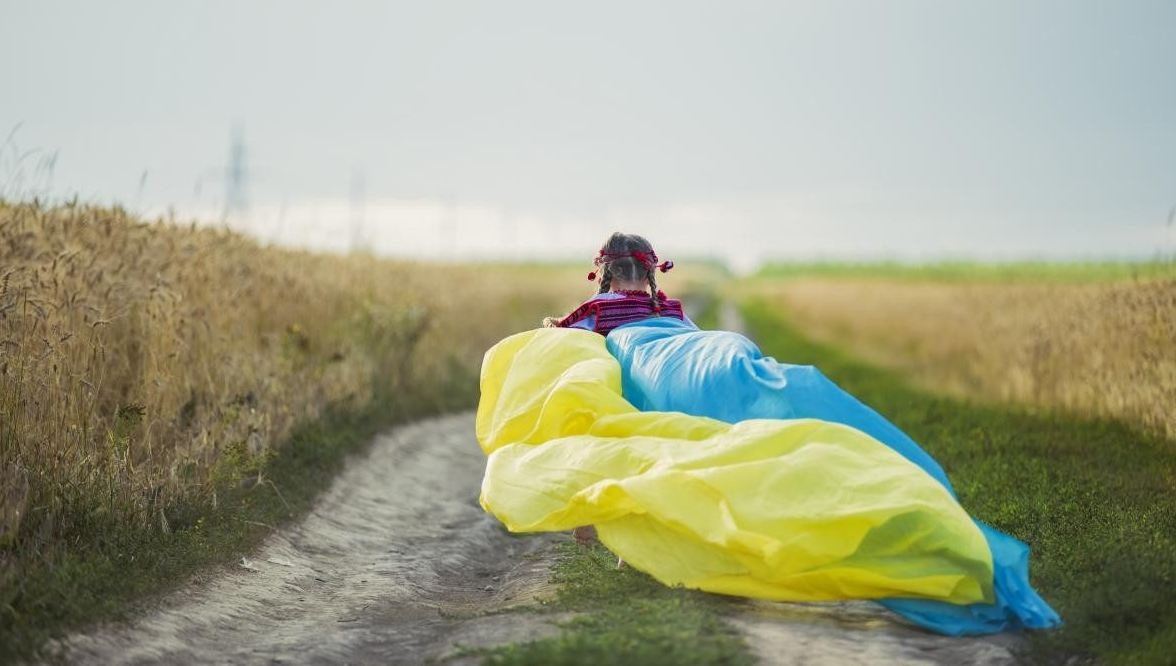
(799, 510)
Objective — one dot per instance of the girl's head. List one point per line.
(628, 259)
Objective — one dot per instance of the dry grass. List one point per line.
(143, 363)
(1107, 349)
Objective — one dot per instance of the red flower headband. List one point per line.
(649, 259)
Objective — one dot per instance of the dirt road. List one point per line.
(398, 564)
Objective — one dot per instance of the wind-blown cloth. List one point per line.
(794, 506)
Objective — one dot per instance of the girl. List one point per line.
(626, 272)
(628, 293)
(789, 489)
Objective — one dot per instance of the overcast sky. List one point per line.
(797, 129)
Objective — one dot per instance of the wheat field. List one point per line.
(1097, 348)
(141, 363)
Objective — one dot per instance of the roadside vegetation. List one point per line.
(1094, 498)
(626, 617)
(170, 393)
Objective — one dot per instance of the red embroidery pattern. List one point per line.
(613, 312)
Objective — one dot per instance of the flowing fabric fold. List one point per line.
(781, 508)
(723, 375)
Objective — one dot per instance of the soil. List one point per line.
(859, 632)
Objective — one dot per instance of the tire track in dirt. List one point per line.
(396, 564)
(858, 632)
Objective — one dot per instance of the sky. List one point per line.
(753, 131)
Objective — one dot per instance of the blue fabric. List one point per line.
(667, 365)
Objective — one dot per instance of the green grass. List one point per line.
(626, 617)
(1095, 499)
(966, 271)
(109, 571)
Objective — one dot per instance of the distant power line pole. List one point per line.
(236, 176)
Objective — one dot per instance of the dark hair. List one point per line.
(628, 268)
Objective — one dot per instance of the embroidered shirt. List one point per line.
(604, 312)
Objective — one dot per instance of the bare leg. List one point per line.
(585, 535)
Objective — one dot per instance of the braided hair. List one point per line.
(626, 257)
(653, 294)
(628, 268)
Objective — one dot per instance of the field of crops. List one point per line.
(1039, 272)
(1103, 347)
(148, 371)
